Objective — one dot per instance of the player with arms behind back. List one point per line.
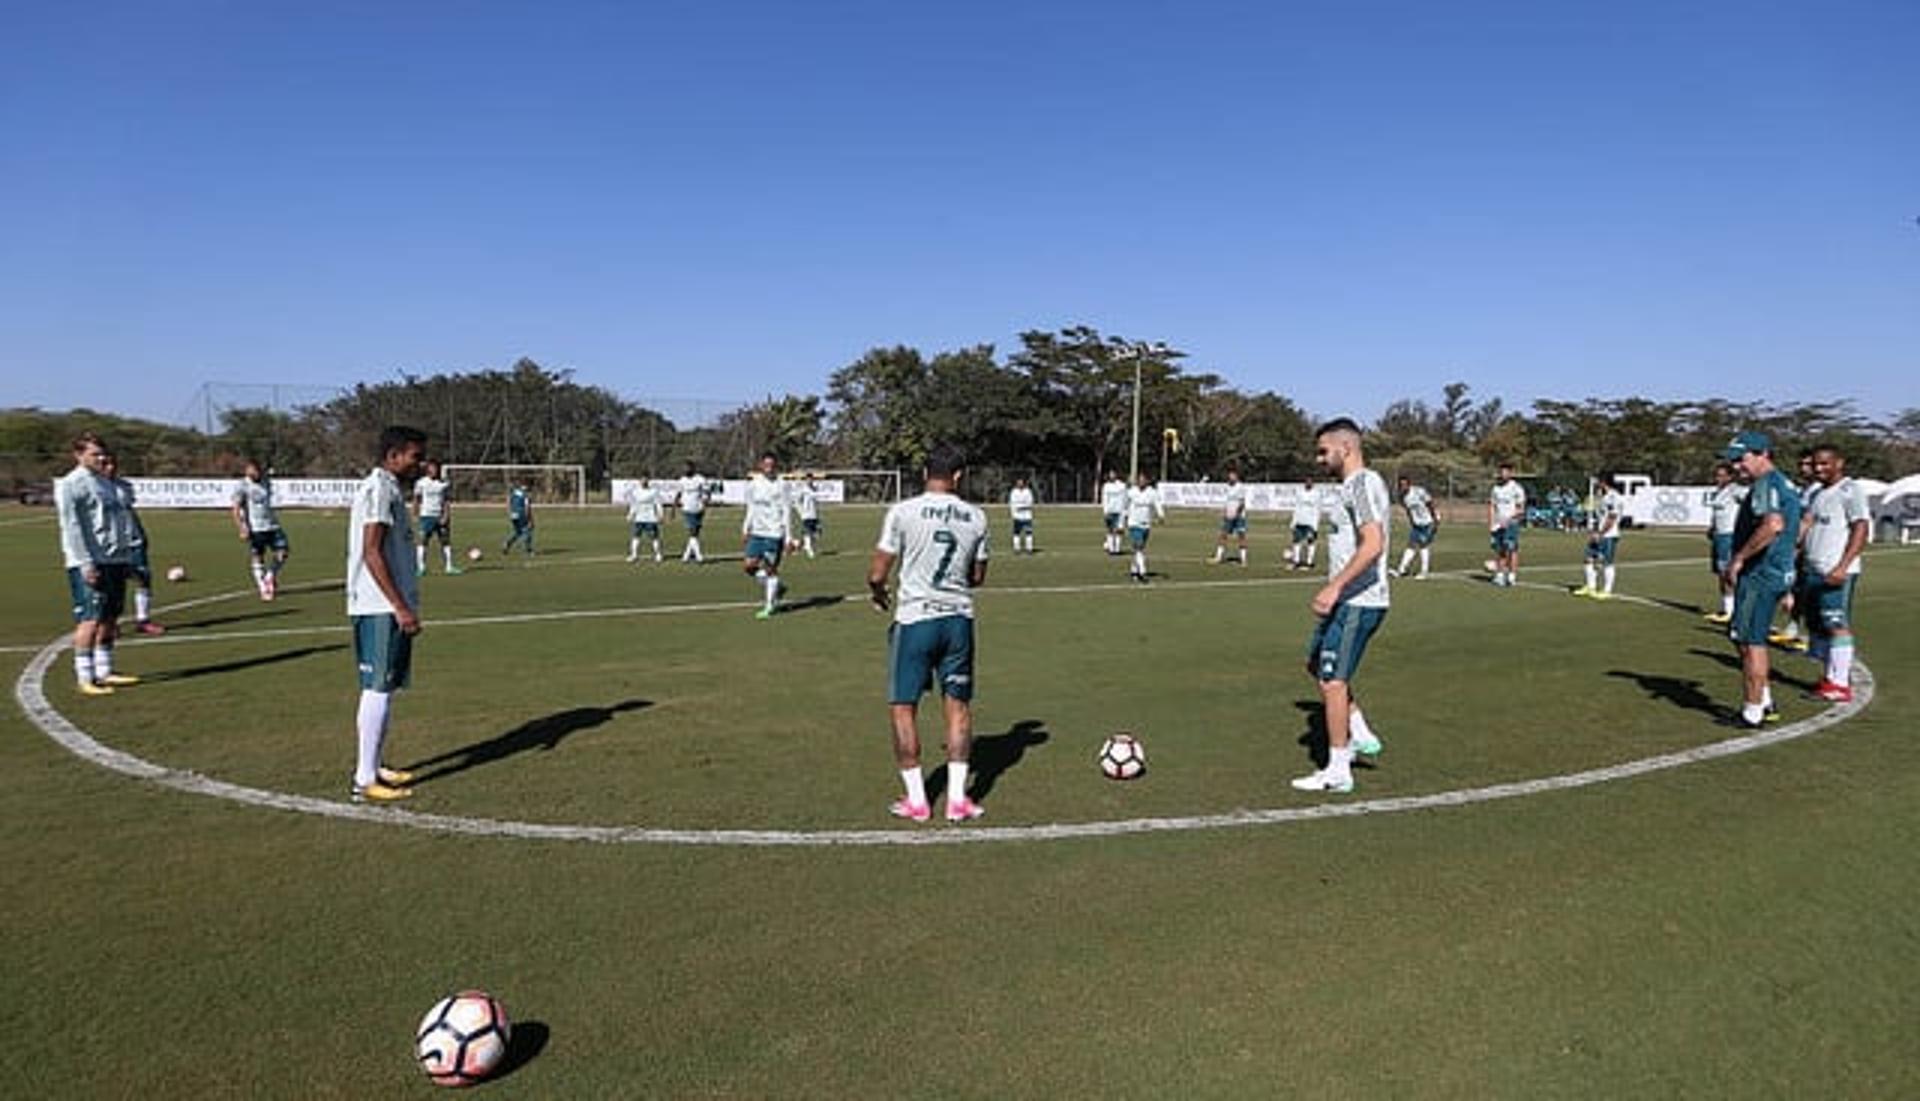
(1834, 530)
(383, 604)
(1233, 517)
(940, 543)
(96, 540)
(1506, 509)
(1723, 503)
(1020, 511)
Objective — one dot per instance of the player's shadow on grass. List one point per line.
(813, 602)
(238, 617)
(1732, 661)
(992, 755)
(527, 1041)
(241, 664)
(1314, 738)
(1686, 694)
(543, 733)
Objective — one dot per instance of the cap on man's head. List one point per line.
(1747, 443)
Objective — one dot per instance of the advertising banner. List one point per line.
(218, 492)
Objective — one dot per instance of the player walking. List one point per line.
(765, 530)
(1603, 545)
(96, 541)
(1761, 568)
(140, 568)
(806, 505)
(1113, 507)
(1233, 517)
(1506, 509)
(520, 515)
(643, 518)
(694, 490)
(1723, 503)
(1306, 527)
(1020, 511)
(1352, 604)
(940, 542)
(1835, 530)
(436, 520)
(1143, 507)
(1422, 525)
(383, 604)
(259, 524)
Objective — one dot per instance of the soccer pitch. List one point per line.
(655, 828)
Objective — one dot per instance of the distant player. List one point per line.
(643, 519)
(694, 491)
(1422, 526)
(1113, 508)
(1352, 605)
(940, 542)
(96, 541)
(1506, 510)
(1835, 528)
(1306, 527)
(1020, 511)
(1723, 504)
(259, 524)
(1143, 507)
(1761, 568)
(383, 604)
(140, 568)
(520, 517)
(1233, 517)
(1603, 542)
(765, 531)
(806, 505)
(436, 519)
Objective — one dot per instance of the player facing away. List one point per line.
(1113, 507)
(1233, 517)
(1020, 511)
(383, 604)
(1761, 568)
(1506, 508)
(1789, 633)
(436, 519)
(1350, 607)
(693, 511)
(643, 518)
(96, 541)
(1306, 527)
(259, 524)
(765, 531)
(139, 567)
(1723, 504)
(806, 505)
(1143, 507)
(940, 543)
(1603, 543)
(1835, 530)
(1422, 526)
(520, 516)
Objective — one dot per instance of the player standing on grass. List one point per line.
(140, 567)
(1233, 517)
(1723, 503)
(1789, 633)
(765, 530)
(806, 505)
(1506, 509)
(1761, 568)
(643, 514)
(436, 519)
(1306, 527)
(1352, 604)
(940, 542)
(1143, 507)
(1421, 527)
(520, 515)
(1603, 544)
(96, 541)
(1836, 527)
(259, 524)
(1020, 511)
(693, 511)
(383, 604)
(1113, 506)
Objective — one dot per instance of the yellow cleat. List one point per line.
(92, 688)
(120, 680)
(397, 777)
(381, 793)
(1601, 594)
(1717, 617)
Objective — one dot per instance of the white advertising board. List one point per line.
(733, 491)
(1261, 496)
(218, 492)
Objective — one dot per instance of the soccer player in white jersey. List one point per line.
(1723, 503)
(1020, 511)
(383, 604)
(806, 505)
(1603, 543)
(1350, 607)
(96, 541)
(1506, 509)
(1422, 525)
(1143, 507)
(140, 567)
(259, 525)
(1233, 517)
(1807, 484)
(765, 531)
(940, 542)
(1306, 527)
(436, 519)
(1113, 508)
(1834, 531)
(643, 518)
(694, 491)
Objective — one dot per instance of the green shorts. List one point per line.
(1340, 640)
(1603, 550)
(932, 651)
(102, 601)
(1827, 608)
(384, 653)
(1755, 596)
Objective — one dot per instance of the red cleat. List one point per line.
(1833, 693)
(149, 627)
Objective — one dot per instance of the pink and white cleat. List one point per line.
(912, 812)
(966, 810)
(149, 627)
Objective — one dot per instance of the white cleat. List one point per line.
(1325, 781)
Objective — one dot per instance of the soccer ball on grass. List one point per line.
(473, 554)
(463, 1038)
(1122, 757)
(176, 573)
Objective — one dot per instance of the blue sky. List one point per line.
(1343, 202)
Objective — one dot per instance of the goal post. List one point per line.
(548, 483)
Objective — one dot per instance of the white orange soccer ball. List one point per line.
(463, 1038)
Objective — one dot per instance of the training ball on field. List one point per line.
(176, 573)
(463, 1038)
(473, 554)
(1122, 757)
(1491, 565)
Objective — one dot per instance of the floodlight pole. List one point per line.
(1138, 351)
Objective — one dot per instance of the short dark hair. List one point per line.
(397, 437)
(1723, 465)
(87, 439)
(1337, 424)
(765, 455)
(945, 462)
(1829, 447)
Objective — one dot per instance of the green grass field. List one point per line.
(1737, 927)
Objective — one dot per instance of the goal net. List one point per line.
(547, 483)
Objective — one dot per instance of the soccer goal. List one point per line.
(547, 483)
(862, 486)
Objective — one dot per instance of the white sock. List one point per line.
(916, 786)
(694, 544)
(772, 582)
(1140, 563)
(1726, 604)
(259, 574)
(1243, 556)
(83, 666)
(1406, 559)
(446, 557)
(1425, 553)
(1591, 575)
(1608, 579)
(102, 662)
(1340, 763)
(1766, 698)
(656, 550)
(1840, 661)
(956, 782)
(371, 722)
(1220, 552)
(419, 560)
(142, 605)
(806, 544)
(1357, 724)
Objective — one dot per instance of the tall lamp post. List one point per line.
(1138, 351)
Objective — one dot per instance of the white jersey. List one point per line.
(1020, 504)
(257, 498)
(937, 537)
(1509, 499)
(1143, 504)
(96, 528)
(379, 500)
(643, 504)
(1234, 505)
(767, 508)
(137, 532)
(1830, 517)
(432, 495)
(806, 501)
(1361, 499)
(1419, 505)
(693, 493)
(1306, 510)
(1724, 503)
(1607, 514)
(1113, 497)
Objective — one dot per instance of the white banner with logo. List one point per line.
(1261, 496)
(1670, 507)
(728, 491)
(218, 492)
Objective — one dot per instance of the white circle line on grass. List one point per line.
(29, 691)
